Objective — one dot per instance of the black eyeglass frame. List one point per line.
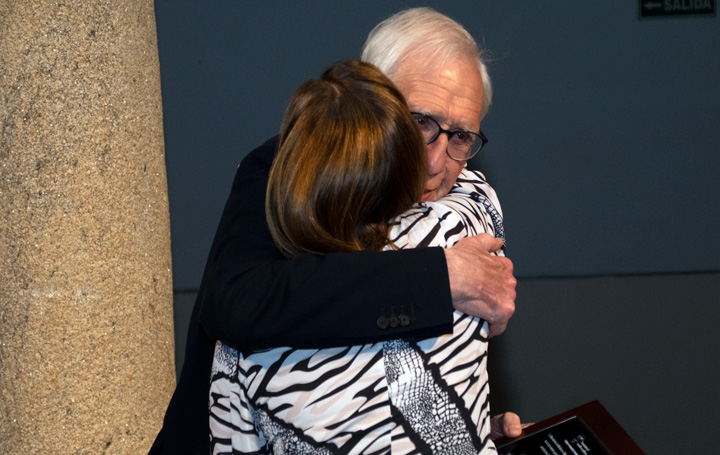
(450, 134)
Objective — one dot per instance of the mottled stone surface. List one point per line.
(86, 327)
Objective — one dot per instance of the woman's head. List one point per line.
(349, 160)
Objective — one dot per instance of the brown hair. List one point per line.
(350, 159)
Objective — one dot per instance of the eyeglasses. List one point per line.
(462, 145)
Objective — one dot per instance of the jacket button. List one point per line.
(394, 321)
(404, 320)
(382, 322)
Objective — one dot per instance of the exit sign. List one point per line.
(650, 8)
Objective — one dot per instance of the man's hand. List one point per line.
(507, 425)
(481, 283)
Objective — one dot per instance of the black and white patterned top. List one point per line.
(393, 397)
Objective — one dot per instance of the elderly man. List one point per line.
(253, 297)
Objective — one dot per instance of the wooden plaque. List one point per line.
(585, 430)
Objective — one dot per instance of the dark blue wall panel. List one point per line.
(603, 133)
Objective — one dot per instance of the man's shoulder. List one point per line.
(262, 155)
(256, 164)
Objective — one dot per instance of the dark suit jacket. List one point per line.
(251, 296)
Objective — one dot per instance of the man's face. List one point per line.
(453, 96)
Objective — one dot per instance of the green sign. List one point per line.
(654, 8)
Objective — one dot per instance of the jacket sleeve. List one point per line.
(254, 298)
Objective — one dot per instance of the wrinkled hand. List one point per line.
(481, 283)
(507, 425)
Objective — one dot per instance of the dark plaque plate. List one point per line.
(585, 430)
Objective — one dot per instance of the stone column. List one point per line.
(86, 327)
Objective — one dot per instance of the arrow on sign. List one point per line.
(652, 5)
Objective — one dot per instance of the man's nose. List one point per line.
(437, 153)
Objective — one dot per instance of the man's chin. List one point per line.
(428, 196)
(434, 195)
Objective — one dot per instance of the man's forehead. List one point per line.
(452, 95)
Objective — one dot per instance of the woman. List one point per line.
(347, 176)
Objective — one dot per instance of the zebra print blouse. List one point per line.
(393, 397)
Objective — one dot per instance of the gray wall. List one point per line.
(603, 133)
(646, 346)
(602, 148)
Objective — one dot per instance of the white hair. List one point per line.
(424, 31)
